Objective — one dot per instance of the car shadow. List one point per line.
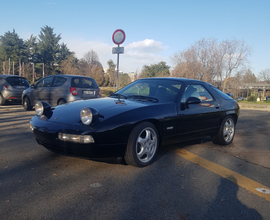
(226, 199)
(163, 151)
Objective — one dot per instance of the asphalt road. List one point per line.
(190, 180)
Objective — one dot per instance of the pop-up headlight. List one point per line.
(42, 108)
(86, 116)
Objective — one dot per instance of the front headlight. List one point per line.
(39, 108)
(83, 139)
(43, 108)
(86, 116)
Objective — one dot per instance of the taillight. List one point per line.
(5, 87)
(99, 92)
(73, 91)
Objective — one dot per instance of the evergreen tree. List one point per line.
(111, 73)
(155, 70)
(49, 50)
(12, 49)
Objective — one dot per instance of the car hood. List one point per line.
(107, 107)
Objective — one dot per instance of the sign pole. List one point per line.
(117, 70)
(118, 38)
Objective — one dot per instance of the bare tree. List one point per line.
(209, 60)
(235, 54)
(98, 75)
(201, 61)
(186, 64)
(68, 66)
(264, 75)
(249, 77)
(89, 61)
(91, 57)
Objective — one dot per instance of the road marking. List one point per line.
(237, 178)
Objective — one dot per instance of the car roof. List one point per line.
(175, 78)
(6, 76)
(64, 75)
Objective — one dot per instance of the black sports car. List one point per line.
(134, 121)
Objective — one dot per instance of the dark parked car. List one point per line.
(11, 88)
(134, 121)
(239, 98)
(60, 89)
(229, 94)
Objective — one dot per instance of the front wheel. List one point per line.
(142, 145)
(26, 104)
(61, 102)
(226, 132)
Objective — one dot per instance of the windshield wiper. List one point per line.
(118, 96)
(142, 98)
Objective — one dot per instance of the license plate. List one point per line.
(88, 92)
(20, 87)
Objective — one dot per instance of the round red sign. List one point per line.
(118, 36)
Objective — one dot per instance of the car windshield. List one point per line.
(152, 90)
(83, 82)
(17, 81)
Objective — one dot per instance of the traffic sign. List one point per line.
(118, 36)
(116, 50)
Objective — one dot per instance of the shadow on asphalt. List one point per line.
(227, 197)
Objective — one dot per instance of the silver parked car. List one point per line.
(60, 89)
(11, 88)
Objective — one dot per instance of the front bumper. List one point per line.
(46, 134)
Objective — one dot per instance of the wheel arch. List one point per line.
(25, 95)
(235, 117)
(60, 99)
(155, 122)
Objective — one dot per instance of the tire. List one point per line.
(27, 104)
(226, 132)
(142, 146)
(61, 102)
(2, 100)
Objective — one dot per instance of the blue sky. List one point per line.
(155, 30)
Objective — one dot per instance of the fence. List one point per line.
(253, 105)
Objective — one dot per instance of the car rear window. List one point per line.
(83, 82)
(222, 94)
(17, 82)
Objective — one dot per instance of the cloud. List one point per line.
(146, 46)
(81, 47)
(136, 54)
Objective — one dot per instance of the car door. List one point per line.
(200, 118)
(42, 89)
(58, 90)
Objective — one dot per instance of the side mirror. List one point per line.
(33, 86)
(192, 100)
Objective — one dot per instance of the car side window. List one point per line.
(45, 82)
(59, 81)
(197, 91)
(40, 83)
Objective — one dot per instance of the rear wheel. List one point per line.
(61, 102)
(26, 104)
(142, 145)
(2, 100)
(226, 132)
